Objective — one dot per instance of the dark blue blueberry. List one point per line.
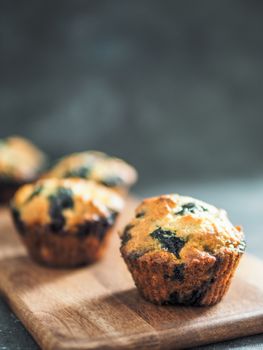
(112, 218)
(94, 228)
(136, 255)
(126, 236)
(97, 229)
(191, 208)
(169, 241)
(140, 214)
(208, 249)
(82, 172)
(112, 181)
(196, 296)
(174, 298)
(58, 202)
(63, 198)
(35, 193)
(178, 273)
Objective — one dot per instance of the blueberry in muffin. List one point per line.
(99, 167)
(65, 222)
(181, 250)
(20, 162)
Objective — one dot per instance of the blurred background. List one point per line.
(173, 87)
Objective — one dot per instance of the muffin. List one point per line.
(180, 250)
(20, 162)
(110, 172)
(65, 222)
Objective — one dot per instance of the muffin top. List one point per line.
(183, 227)
(96, 166)
(20, 160)
(65, 203)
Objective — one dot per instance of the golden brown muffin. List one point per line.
(181, 250)
(65, 222)
(20, 162)
(111, 172)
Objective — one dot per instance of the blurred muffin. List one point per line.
(181, 250)
(20, 162)
(65, 222)
(111, 172)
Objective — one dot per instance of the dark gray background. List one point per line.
(174, 87)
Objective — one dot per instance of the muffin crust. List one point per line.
(180, 249)
(65, 222)
(96, 166)
(20, 160)
(44, 201)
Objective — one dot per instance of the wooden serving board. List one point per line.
(98, 307)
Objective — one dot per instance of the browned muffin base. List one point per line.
(64, 248)
(197, 283)
(67, 250)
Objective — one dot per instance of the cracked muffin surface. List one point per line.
(180, 250)
(97, 166)
(65, 222)
(77, 200)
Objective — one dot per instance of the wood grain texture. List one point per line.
(98, 307)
